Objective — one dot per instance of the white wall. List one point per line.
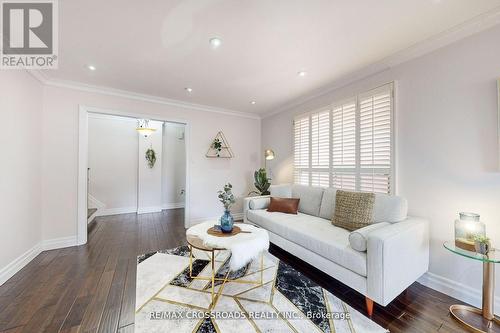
(173, 166)
(113, 162)
(447, 150)
(207, 175)
(20, 184)
(150, 179)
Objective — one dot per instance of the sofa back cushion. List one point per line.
(310, 198)
(328, 203)
(390, 208)
(281, 191)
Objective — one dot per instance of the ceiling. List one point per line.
(160, 47)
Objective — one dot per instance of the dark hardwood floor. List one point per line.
(91, 288)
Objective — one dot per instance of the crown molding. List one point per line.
(475, 25)
(40, 76)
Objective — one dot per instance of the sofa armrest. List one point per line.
(397, 255)
(258, 202)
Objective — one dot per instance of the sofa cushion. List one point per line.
(389, 208)
(259, 203)
(310, 198)
(328, 203)
(353, 210)
(284, 205)
(315, 234)
(359, 238)
(281, 191)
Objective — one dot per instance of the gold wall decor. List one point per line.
(219, 148)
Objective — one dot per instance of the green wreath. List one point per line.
(151, 157)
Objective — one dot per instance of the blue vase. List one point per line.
(226, 222)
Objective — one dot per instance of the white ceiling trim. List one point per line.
(477, 24)
(136, 96)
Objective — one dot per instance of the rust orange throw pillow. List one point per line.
(284, 205)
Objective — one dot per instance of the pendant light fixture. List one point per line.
(143, 127)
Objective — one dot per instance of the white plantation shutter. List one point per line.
(301, 150)
(348, 147)
(375, 142)
(344, 145)
(320, 148)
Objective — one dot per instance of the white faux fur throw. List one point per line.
(244, 246)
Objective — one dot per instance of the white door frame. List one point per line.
(83, 124)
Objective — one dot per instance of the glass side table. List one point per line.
(478, 320)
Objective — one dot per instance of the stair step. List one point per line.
(91, 211)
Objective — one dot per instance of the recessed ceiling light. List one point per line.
(215, 42)
(253, 102)
(302, 73)
(91, 67)
(188, 89)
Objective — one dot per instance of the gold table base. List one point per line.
(480, 320)
(472, 318)
(215, 297)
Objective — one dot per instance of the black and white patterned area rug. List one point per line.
(168, 300)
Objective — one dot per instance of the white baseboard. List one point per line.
(456, 289)
(152, 209)
(58, 243)
(236, 216)
(173, 205)
(17, 264)
(115, 211)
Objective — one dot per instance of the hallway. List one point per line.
(88, 288)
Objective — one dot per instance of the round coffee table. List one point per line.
(479, 320)
(198, 241)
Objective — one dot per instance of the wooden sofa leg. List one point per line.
(369, 306)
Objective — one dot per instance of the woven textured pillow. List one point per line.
(353, 210)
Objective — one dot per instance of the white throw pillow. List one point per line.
(259, 203)
(359, 238)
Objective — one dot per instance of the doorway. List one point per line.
(130, 171)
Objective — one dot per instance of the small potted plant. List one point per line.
(226, 196)
(482, 244)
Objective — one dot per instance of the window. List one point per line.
(348, 146)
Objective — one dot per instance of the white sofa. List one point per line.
(397, 247)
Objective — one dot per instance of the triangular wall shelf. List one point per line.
(220, 147)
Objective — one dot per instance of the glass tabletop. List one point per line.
(492, 256)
